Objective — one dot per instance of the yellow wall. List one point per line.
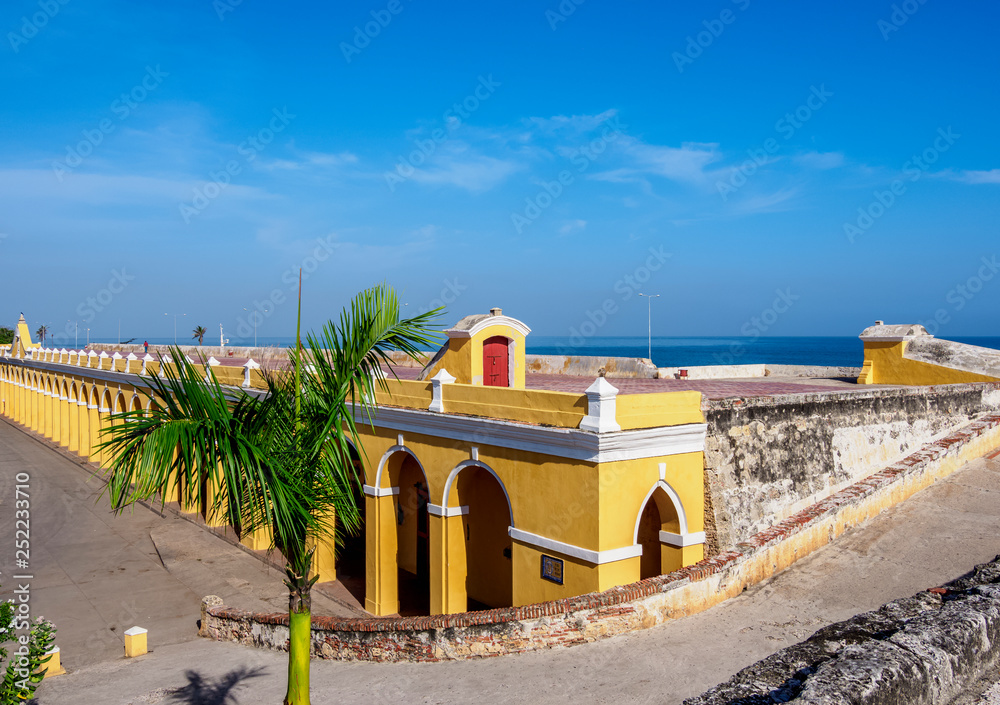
(885, 364)
(588, 506)
(464, 358)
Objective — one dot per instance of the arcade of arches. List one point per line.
(516, 497)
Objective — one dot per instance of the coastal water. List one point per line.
(678, 352)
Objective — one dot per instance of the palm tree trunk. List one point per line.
(299, 640)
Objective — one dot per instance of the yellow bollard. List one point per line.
(53, 667)
(135, 642)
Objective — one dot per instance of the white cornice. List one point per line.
(559, 442)
(682, 540)
(439, 511)
(380, 491)
(568, 549)
(488, 322)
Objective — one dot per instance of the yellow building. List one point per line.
(479, 491)
(908, 355)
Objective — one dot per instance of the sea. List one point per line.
(674, 351)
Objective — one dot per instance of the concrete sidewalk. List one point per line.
(934, 537)
(96, 575)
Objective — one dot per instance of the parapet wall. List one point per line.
(921, 650)
(614, 367)
(768, 457)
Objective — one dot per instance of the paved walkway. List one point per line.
(96, 575)
(95, 572)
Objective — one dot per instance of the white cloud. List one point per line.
(820, 160)
(575, 124)
(572, 225)
(19, 185)
(976, 177)
(684, 164)
(459, 165)
(312, 159)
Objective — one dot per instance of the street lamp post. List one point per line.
(649, 322)
(254, 317)
(175, 315)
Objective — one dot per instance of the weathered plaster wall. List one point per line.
(768, 457)
(714, 372)
(920, 650)
(582, 366)
(968, 358)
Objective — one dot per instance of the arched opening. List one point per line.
(351, 559)
(496, 362)
(105, 423)
(73, 411)
(658, 514)
(489, 567)
(36, 402)
(412, 533)
(64, 416)
(84, 414)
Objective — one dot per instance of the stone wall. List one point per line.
(620, 610)
(582, 366)
(958, 356)
(921, 650)
(768, 457)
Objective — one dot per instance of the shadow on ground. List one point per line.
(200, 691)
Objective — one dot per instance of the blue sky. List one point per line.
(745, 160)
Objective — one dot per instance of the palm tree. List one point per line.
(41, 333)
(199, 333)
(278, 462)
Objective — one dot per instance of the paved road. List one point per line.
(934, 537)
(96, 574)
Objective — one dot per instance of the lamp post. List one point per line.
(649, 322)
(254, 317)
(175, 315)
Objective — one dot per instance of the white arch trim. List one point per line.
(681, 519)
(451, 479)
(377, 490)
(489, 322)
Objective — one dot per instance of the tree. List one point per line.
(279, 462)
(6, 335)
(199, 333)
(41, 333)
(24, 670)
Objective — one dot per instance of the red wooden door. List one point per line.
(495, 362)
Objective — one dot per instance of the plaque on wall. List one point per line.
(552, 569)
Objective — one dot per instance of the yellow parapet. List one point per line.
(908, 355)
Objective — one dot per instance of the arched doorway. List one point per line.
(412, 534)
(83, 415)
(658, 514)
(496, 362)
(489, 577)
(64, 416)
(73, 413)
(350, 559)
